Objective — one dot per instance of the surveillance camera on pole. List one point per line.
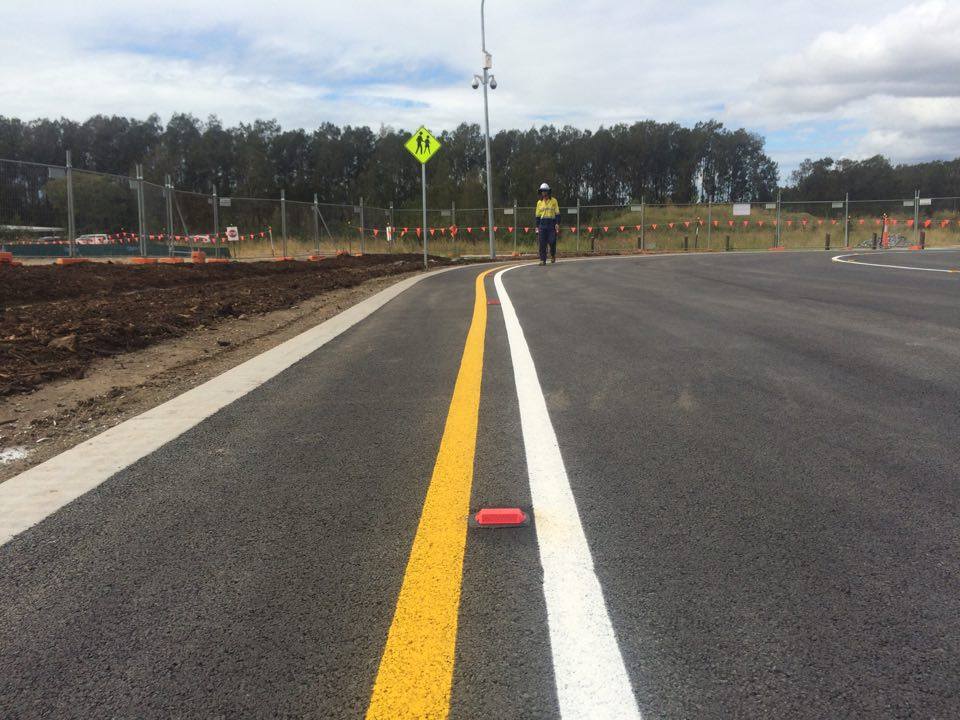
(487, 80)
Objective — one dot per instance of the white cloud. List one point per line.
(897, 78)
(798, 65)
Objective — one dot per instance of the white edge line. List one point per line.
(34, 494)
(590, 676)
(844, 259)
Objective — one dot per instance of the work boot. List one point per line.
(553, 260)
(543, 262)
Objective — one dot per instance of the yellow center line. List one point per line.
(416, 670)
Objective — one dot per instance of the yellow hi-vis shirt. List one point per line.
(548, 209)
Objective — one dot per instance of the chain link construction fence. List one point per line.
(51, 210)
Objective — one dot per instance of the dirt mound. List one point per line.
(56, 320)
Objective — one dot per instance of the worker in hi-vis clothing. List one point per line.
(548, 216)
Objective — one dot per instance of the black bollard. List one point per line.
(726, 243)
(826, 244)
(685, 240)
(874, 241)
(923, 239)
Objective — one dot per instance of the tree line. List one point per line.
(620, 164)
(661, 162)
(873, 178)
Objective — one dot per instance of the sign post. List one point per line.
(423, 146)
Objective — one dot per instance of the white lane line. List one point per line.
(845, 259)
(29, 497)
(588, 668)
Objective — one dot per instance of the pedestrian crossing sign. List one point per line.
(422, 145)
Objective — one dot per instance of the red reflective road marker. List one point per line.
(500, 517)
(493, 302)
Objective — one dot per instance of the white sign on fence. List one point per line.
(770, 206)
(837, 205)
(908, 203)
(926, 201)
(636, 208)
(225, 202)
(571, 211)
(741, 208)
(508, 211)
(232, 233)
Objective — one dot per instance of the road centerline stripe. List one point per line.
(590, 676)
(416, 669)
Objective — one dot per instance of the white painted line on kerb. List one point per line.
(29, 497)
(588, 668)
(845, 259)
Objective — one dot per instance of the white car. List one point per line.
(93, 239)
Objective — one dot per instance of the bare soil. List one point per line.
(56, 321)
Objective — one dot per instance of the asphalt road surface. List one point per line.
(741, 471)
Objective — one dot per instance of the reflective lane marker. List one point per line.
(844, 259)
(588, 668)
(416, 670)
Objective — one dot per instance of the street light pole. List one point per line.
(488, 79)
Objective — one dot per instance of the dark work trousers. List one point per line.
(548, 236)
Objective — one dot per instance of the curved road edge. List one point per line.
(34, 494)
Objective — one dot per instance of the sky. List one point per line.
(845, 78)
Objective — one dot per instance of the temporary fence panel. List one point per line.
(301, 229)
(805, 225)
(376, 239)
(890, 221)
(940, 221)
(106, 213)
(670, 227)
(193, 223)
(159, 233)
(259, 226)
(33, 208)
(409, 234)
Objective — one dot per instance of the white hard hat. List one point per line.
(544, 186)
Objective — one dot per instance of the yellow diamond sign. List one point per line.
(422, 145)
